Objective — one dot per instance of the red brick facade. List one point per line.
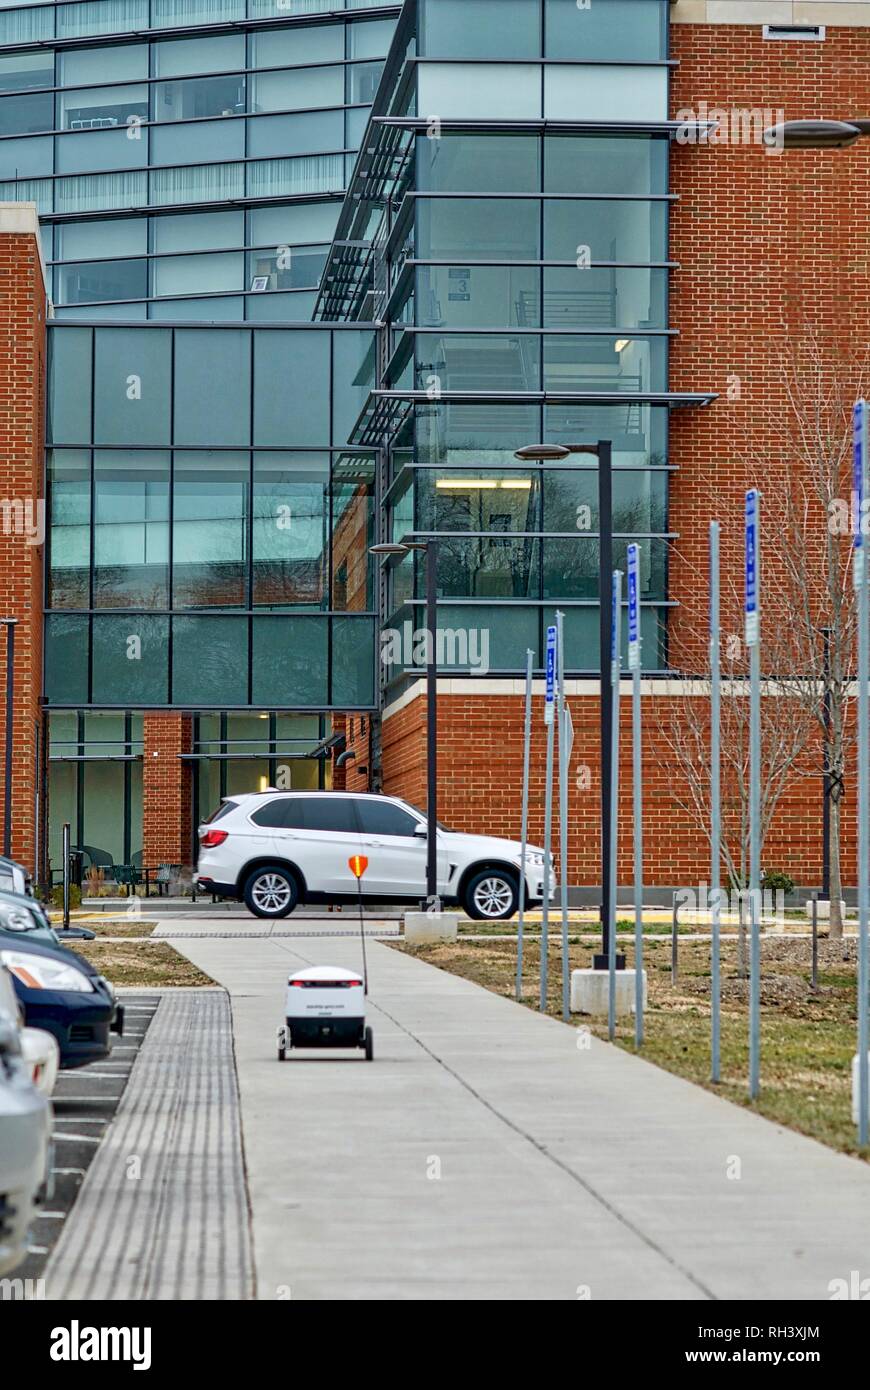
(166, 790)
(22, 407)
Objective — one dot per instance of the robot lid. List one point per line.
(325, 974)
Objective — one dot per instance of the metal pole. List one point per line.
(675, 940)
(715, 803)
(605, 583)
(548, 840)
(753, 637)
(815, 975)
(826, 775)
(862, 582)
(432, 725)
(65, 847)
(524, 831)
(564, 759)
(634, 661)
(10, 697)
(615, 665)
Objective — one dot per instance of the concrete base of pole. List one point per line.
(855, 1061)
(590, 992)
(824, 908)
(423, 928)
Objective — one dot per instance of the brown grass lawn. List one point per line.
(807, 1039)
(145, 964)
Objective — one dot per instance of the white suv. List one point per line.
(276, 849)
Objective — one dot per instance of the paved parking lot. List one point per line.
(85, 1101)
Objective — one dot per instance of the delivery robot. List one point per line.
(325, 1007)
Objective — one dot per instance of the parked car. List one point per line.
(63, 993)
(19, 913)
(15, 878)
(274, 850)
(25, 1136)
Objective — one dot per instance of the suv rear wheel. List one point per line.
(491, 895)
(271, 891)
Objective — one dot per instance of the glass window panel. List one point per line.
(20, 114)
(613, 230)
(104, 149)
(198, 274)
(479, 164)
(38, 191)
(101, 17)
(212, 387)
(479, 228)
(100, 192)
(291, 530)
(639, 433)
(199, 231)
(271, 9)
(484, 499)
(209, 661)
(372, 38)
(274, 178)
(355, 123)
(353, 661)
(122, 312)
(476, 435)
(635, 365)
(507, 631)
(605, 93)
(481, 29)
(197, 184)
(102, 108)
(290, 661)
(289, 268)
(101, 280)
(605, 164)
(480, 363)
(511, 91)
(210, 528)
(623, 29)
(18, 71)
(31, 156)
(66, 658)
(187, 99)
(127, 236)
(474, 296)
(571, 567)
(213, 310)
(605, 296)
(289, 307)
(291, 395)
(571, 500)
(27, 26)
(69, 386)
(132, 394)
(353, 485)
(297, 90)
(316, 43)
(80, 67)
(353, 373)
(287, 226)
(489, 567)
(130, 660)
(201, 141)
(363, 80)
(102, 826)
(208, 53)
(294, 135)
(166, 13)
(69, 511)
(131, 529)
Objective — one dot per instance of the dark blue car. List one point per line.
(63, 993)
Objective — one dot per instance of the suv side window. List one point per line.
(282, 813)
(335, 814)
(383, 818)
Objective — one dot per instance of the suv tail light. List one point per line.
(212, 838)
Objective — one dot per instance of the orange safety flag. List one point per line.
(358, 865)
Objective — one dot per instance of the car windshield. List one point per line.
(420, 812)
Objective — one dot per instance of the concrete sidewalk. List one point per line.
(483, 1155)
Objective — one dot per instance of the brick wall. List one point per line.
(22, 404)
(166, 789)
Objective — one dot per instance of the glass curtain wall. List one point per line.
(257, 115)
(208, 524)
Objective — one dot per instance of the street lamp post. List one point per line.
(603, 451)
(10, 625)
(400, 548)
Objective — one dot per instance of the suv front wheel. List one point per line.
(491, 895)
(271, 891)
